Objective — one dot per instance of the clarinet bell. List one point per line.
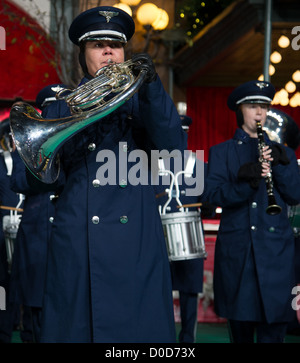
(273, 209)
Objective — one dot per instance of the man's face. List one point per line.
(98, 52)
(253, 112)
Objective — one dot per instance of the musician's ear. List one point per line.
(82, 62)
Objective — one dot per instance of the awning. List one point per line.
(27, 62)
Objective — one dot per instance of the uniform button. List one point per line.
(123, 183)
(92, 147)
(240, 142)
(51, 219)
(272, 229)
(96, 183)
(182, 192)
(125, 148)
(96, 220)
(254, 205)
(123, 219)
(254, 228)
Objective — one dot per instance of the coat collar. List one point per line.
(242, 136)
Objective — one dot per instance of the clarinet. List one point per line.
(273, 208)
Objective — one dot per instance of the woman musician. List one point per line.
(254, 257)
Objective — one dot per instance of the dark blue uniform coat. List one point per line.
(30, 255)
(108, 277)
(254, 270)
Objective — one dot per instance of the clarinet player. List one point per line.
(254, 256)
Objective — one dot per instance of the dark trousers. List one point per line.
(245, 331)
(188, 314)
(36, 315)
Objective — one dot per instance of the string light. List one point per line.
(272, 70)
(296, 76)
(283, 41)
(281, 98)
(290, 87)
(275, 57)
(295, 100)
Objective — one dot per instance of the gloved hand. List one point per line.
(279, 155)
(144, 61)
(251, 173)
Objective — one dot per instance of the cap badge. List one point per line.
(262, 85)
(56, 89)
(108, 14)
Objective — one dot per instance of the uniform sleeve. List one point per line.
(160, 118)
(287, 179)
(222, 187)
(18, 180)
(22, 181)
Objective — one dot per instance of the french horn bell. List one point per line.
(38, 140)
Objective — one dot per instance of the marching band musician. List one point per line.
(7, 199)
(187, 274)
(254, 255)
(29, 268)
(108, 277)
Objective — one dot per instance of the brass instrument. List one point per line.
(38, 140)
(273, 208)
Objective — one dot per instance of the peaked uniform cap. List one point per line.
(251, 92)
(102, 23)
(186, 121)
(48, 94)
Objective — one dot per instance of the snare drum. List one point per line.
(184, 235)
(294, 216)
